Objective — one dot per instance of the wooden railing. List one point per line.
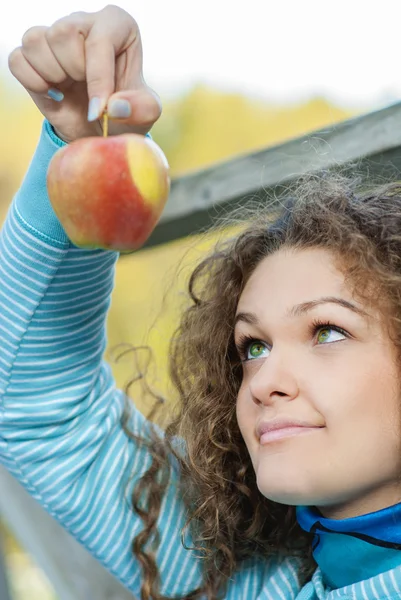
(372, 142)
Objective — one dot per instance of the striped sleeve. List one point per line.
(60, 412)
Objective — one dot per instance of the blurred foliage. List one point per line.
(196, 130)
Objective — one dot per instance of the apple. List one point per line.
(109, 192)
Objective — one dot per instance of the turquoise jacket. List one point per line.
(60, 432)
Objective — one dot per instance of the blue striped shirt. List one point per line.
(60, 431)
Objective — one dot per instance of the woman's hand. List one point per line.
(93, 60)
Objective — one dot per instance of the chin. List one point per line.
(289, 499)
(287, 491)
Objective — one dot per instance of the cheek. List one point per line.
(379, 404)
(362, 408)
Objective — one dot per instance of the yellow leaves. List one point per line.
(20, 123)
(208, 126)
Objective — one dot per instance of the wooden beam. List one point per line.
(372, 141)
(71, 570)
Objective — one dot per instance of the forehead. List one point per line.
(290, 276)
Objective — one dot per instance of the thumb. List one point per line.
(139, 108)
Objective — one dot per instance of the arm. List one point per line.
(60, 432)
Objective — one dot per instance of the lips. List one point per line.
(285, 432)
(282, 427)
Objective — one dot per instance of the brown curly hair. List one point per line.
(229, 519)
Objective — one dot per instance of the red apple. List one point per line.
(109, 192)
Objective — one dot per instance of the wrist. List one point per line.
(55, 135)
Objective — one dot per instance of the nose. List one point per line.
(276, 378)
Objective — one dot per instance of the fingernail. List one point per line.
(119, 109)
(94, 109)
(55, 94)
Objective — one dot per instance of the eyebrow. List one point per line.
(304, 307)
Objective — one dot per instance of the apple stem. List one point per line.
(105, 124)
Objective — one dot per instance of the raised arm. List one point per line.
(60, 419)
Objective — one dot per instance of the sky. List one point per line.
(283, 50)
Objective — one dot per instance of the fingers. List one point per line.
(66, 39)
(25, 74)
(104, 49)
(45, 59)
(142, 106)
(113, 34)
(38, 54)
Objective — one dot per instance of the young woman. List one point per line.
(279, 478)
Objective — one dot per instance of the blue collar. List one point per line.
(351, 550)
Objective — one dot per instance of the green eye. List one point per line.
(249, 348)
(329, 334)
(255, 348)
(323, 334)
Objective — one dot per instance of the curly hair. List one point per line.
(229, 519)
